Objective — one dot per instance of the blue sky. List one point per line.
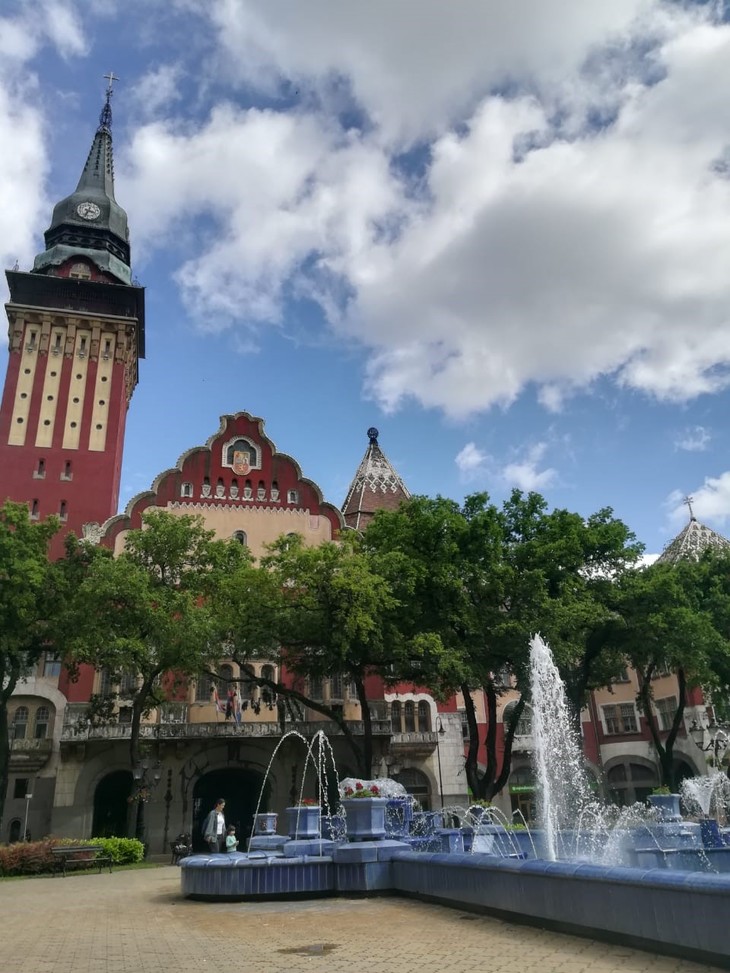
(498, 232)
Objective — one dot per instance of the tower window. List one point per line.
(62, 510)
(40, 472)
(107, 348)
(34, 510)
(292, 496)
(275, 492)
(80, 271)
(186, 489)
(67, 474)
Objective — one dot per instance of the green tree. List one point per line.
(329, 609)
(152, 611)
(674, 619)
(28, 592)
(487, 579)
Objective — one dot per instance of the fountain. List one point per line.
(571, 874)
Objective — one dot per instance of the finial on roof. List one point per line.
(373, 434)
(688, 501)
(105, 118)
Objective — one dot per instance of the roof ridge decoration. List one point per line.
(376, 485)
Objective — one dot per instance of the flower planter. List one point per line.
(365, 817)
(666, 806)
(265, 823)
(304, 821)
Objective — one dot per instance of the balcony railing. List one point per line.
(421, 742)
(32, 746)
(78, 733)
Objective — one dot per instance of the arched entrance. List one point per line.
(240, 790)
(111, 807)
(417, 785)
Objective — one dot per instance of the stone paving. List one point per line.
(137, 922)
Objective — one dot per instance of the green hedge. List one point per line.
(36, 857)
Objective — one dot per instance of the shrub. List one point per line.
(122, 851)
(26, 858)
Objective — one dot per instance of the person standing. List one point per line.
(214, 828)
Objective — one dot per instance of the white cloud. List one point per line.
(534, 247)
(471, 461)
(157, 90)
(524, 473)
(710, 502)
(693, 439)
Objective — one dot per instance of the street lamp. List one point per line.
(719, 739)
(145, 782)
(441, 731)
(28, 799)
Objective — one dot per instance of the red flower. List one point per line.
(358, 786)
(375, 790)
(348, 791)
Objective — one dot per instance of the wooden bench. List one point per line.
(80, 856)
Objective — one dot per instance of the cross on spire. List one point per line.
(111, 78)
(688, 502)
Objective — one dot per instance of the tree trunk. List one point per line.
(367, 741)
(4, 755)
(665, 749)
(486, 789)
(471, 765)
(508, 741)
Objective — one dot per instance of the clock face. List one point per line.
(88, 211)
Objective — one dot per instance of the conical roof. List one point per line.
(376, 486)
(90, 223)
(691, 542)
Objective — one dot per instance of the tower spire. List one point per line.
(376, 486)
(90, 224)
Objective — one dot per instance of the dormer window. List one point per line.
(80, 271)
(261, 491)
(186, 489)
(292, 496)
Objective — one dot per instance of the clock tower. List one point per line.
(76, 334)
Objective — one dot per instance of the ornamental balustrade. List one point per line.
(78, 732)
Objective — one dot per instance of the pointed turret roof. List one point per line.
(90, 223)
(692, 541)
(376, 486)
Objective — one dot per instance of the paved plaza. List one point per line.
(137, 922)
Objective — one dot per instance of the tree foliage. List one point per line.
(28, 596)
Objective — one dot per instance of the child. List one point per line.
(231, 839)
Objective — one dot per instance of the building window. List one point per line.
(524, 724)
(268, 695)
(34, 510)
(186, 489)
(409, 716)
(40, 473)
(204, 688)
(42, 719)
(292, 496)
(128, 684)
(630, 782)
(240, 536)
(80, 271)
(424, 716)
(395, 716)
(14, 831)
(21, 788)
(51, 666)
(67, 474)
(620, 718)
(20, 723)
(622, 676)
(242, 456)
(261, 491)
(661, 671)
(666, 711)
(464, 725)
(315, 688)
(336, 688)
(105, 683)
(63, 511)
(125, 714)
(275, 492)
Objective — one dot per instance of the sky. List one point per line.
(498, 232)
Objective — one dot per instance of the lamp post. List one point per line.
(146, 778)
(441, 731)
(718, 743)
(28, 799)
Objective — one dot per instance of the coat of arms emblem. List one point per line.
(241, 462)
